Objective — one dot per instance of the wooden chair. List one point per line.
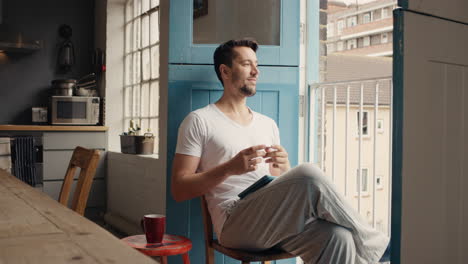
(86, 160)
(242, 255)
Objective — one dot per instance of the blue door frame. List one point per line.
(193, 84)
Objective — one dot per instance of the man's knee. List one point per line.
(311, 174)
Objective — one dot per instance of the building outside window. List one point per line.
(352, 21)
(366, 41)
(380, 126)
(363, 181)
(330, 30)
(340, 26)
(365, 130)
(379, 182)
(384, 38)
(351, 44)
(366, 18)
(339, 46)
(141, 72)
(384, 12)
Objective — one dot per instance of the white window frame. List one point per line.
(379, 182)
(351, 21)
(384, 13)
(351, 44)
(367, 18)
(380, 125)
(141, 66)
(384, 38)
(366, 41)
(339, 26)
(365, 124)
(363, 179)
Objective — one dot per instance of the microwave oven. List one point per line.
(74, 110)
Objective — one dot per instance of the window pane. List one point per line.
(145, 5)
(145, 31)
(155, 62)
(136, 35)
(259, 19)
(154, 3)
(154, 104)
(145, 100)
(136, 67)
(127, 101)
(136, 8)
(128, 70)
(154, 23)
(128, 11)
(146, 64)
(128, 38)
(136, 100)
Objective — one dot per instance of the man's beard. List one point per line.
(248, 91)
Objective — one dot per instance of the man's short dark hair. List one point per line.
(225, 53)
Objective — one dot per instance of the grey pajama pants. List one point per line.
(302, 213)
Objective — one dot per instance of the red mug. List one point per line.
(154, 226)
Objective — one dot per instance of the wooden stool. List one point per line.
(171, 245)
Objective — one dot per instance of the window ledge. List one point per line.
(149, 156)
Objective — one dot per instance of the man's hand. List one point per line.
(278, 157)
(246, 160)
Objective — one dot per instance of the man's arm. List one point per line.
(187, 184)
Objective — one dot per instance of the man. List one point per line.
(225, 147)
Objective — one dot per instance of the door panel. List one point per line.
(195, 86)
(182, 49)
(430, 143)
(452, 9)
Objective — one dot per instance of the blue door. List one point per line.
(196, 29)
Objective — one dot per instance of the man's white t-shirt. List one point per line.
(209, 134)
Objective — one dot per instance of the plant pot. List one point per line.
(137, 144)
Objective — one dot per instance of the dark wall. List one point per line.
(25, 78)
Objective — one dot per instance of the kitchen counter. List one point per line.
(51, 128)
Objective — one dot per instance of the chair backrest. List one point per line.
(208, 229)
(86, 160)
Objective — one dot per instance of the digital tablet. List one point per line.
(256, 185)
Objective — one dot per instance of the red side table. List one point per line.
(171, 245)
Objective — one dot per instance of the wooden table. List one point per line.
(171, 245)
(34, 228)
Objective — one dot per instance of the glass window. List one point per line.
(351, 44)
(380, 126)
(340, 26)
(384, 38)
(352, 21)
(366, 18)
(366, 41)
(364, 182)
(379, 182)
(365, 130)
(141, 69)
(215, 21)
